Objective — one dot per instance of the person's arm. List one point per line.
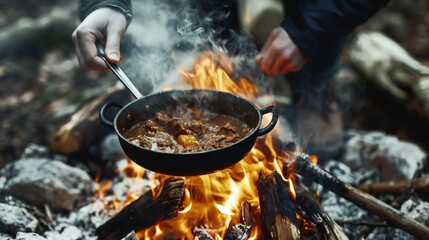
(312, 31)
(317, 26)
(103, 21)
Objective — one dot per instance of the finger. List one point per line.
(278, 65)
(268, 60)
(78, 51)
(114, 34)
(288, 67)
(89, 53)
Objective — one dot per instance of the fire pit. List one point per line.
(259, 197)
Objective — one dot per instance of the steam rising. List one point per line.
(164, 35)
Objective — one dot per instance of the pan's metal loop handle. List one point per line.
(103, 111)
(118, 72)
(273, 122)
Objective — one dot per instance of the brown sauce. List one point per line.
(186, 131)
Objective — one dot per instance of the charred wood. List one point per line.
(365, 201)
(131, 236)
(277, 209)
(366, 229)
(312, 211)
(203, 235)
(238, 231)
(145, 211)
(241, 226)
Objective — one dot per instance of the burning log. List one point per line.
(277, 209)
(83, 127)
(314, 212)
(418, 184)
(145, 211)
(240, 228)
(203, 235)
(131, 236)
(361, 199)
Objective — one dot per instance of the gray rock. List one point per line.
(418, 210)
(111, 148)
(15, 219)
(40, 181)
(64, 232)
(38, 151)
(393, 158)
(86, 220)
(4, 236)
(34, 150)
(29, 236)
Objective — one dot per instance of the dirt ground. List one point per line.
(42, 84)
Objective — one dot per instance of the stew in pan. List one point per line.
(187, 130)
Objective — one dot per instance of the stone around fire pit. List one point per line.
(4, 236)
(29, 236)
(395, 159)
(40, 181)
(65, 232)
(15, 219)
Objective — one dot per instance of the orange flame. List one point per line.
(211, 201)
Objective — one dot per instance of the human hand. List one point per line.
(106, 25)
(280, 54)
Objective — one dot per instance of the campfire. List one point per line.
(254, 199)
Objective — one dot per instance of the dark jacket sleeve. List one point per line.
(88, 6)
(318, 26)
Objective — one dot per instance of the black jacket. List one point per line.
(88, 6)
(319, 27)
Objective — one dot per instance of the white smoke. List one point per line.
(168, 34)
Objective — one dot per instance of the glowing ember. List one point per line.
(211, 201)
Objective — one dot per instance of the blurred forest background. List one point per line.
(42, 84)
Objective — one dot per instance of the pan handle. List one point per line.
(273, 122)
(103, 111)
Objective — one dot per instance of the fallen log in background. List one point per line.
(277, 209)
(145, 211)
(84, 127)
(365, 201)
(419, 185)
(387, 66)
